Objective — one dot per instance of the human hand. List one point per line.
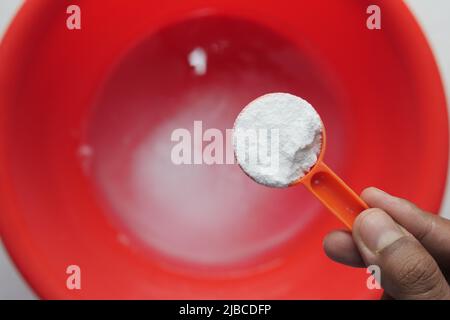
(411, 247)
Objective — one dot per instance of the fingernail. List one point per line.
(377, 230)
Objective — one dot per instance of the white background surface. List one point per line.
(435, 20)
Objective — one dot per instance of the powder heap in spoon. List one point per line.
(277, 139)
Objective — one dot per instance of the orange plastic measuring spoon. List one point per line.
(339, 198)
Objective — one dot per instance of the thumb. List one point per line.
(408, 271)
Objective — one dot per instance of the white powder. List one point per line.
(289, 135)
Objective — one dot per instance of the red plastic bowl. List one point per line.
(86, 116)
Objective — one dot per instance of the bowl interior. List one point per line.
(198, 212)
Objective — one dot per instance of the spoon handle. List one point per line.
(334, 193)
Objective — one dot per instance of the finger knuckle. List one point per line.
(418, 274)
